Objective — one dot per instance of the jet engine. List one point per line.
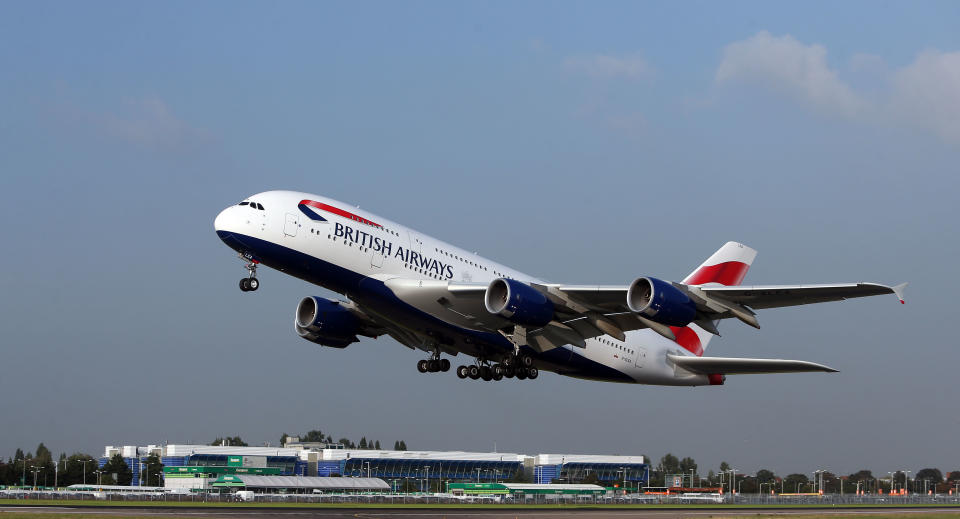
(518, 302)
(661, 302)
(326, 322)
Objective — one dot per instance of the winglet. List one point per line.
(898, 290)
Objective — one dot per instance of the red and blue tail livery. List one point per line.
(497, 322)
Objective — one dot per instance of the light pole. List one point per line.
(906, 482)
(84, 462)
(35, 471)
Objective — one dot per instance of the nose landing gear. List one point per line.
(249, 283)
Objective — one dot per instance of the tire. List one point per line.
(473, 372)
(253, 283)
(444, 365)
(462, 372)
(521, 374)
(526, 361)
(245, 285)
(422, 366)
(433, 366)
(498, 371)
(510, 372)
(508, 362)
(486, 373)
(532, 373)
(497, 376)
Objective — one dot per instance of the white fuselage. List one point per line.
(357, 253)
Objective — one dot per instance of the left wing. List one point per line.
(733, 366)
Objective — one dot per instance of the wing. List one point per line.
(732, 366)
(777, 296)
(585, 311)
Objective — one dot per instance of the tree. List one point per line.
(234, 441)
(154, 468)
(724, 466)
(377, 445)
(934, 475)
(73, 474)
(346, 443)
(283, 439)
(117, 465)
(402, 446)
(363, 442)
(314, 436)
(669, 464)
(687, 464)
(766, 476)
(712, 478)
(794, 483)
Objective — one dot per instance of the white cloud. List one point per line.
(785, 64)
(601, 66)
(150, 123)
(926, 93)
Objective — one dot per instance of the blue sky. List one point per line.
(580, 142)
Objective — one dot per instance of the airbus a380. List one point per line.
(433, 296)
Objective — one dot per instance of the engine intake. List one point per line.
(660, 301)
(518, 302)
(326, 322)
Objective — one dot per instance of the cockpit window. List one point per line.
(260, 207)
(244, 203)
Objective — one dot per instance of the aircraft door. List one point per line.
(290, 225)
(376, 258)
(641, 357)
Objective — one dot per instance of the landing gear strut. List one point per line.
(249, 283)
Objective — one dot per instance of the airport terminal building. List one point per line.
(198, 467)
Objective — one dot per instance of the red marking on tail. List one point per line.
(688, 339)
(728, 273)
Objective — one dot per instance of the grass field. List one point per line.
(708, 506)
(133, 515)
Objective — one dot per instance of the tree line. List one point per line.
(41, 469)
(764, 480)
(317, 436)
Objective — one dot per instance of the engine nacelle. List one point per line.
(518, 302)
(326, 322)
(660, 301)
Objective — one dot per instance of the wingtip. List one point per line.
(898, 291)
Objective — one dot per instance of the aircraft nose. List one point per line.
(222, 220)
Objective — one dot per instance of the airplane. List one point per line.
(432, 296)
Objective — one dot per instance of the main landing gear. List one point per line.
(250, 283)
(519, 366)
(434, 364)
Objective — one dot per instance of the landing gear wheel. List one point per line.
(253, 284)
(526, 361)
(521, 374)
(497, 376)
(422, 366)
(532, 373)
(462, 372)
(444, 365)
(509, 362)
(486, 373)
(245, 284)
(473, 372)
(433, 366)
(497, 372)
(510, 372)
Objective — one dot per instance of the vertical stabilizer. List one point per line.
(728, 266)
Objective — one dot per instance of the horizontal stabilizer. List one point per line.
(734, 366)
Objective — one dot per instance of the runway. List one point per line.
(355, 513)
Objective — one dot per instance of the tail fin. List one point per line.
(728, 266)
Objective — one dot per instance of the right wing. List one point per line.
(733, 366)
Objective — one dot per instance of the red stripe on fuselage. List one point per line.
(338, 211)
(689, 339)
(728, 273)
